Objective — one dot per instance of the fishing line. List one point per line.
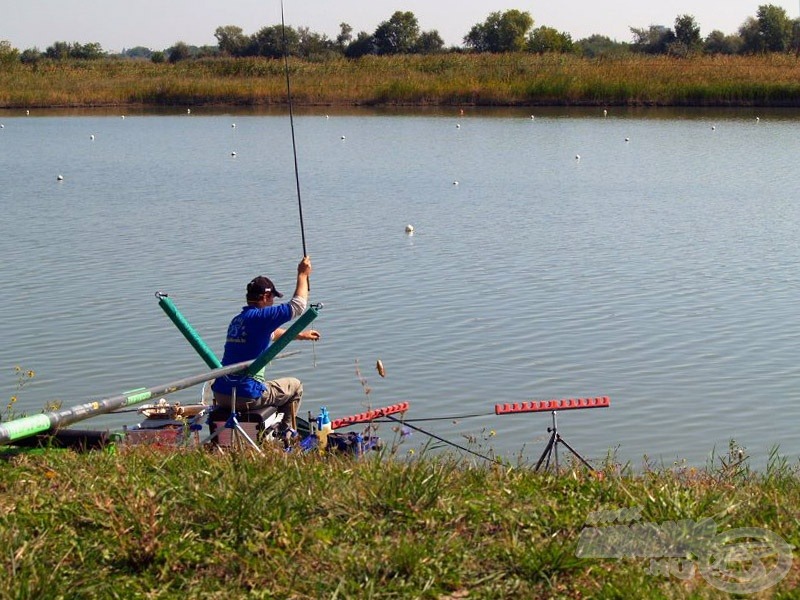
(441, 439)
(291, 124)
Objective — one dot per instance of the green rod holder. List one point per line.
(188, 331)
(291, 333)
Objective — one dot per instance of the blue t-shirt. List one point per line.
(249, 334)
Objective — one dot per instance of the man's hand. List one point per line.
(304, 268)
(312, 334)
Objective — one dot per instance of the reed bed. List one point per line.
(143, 523)
(448, 79)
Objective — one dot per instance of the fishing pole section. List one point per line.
(291, 126)
(51, 422)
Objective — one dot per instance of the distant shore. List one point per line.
(434, 80)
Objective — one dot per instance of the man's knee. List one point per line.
(292, 387)
(286, 388)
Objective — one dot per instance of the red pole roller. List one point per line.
(548, 405)
(370, 415)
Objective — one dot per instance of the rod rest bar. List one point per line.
(549, 405)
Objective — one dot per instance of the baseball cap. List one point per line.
(262, 285)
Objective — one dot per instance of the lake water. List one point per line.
(659, 269)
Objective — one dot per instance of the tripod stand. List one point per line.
(552, 448)
(236, 429)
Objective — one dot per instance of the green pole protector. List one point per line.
(291, 333)
(18, 429)
(188, 331)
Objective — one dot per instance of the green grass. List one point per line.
(451, 79)
(189, 524)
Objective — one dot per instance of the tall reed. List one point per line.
(449, 79)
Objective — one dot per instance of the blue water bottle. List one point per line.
(324, 428)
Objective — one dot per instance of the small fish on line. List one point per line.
(379, 367)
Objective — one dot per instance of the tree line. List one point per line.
(770, 30)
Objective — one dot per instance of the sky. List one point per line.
(158, 24)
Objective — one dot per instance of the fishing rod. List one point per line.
(291, 124)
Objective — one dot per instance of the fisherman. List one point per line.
(250, 333)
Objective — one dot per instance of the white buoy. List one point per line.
(2, 126)
(233, 125)
(327, 117)
(91, 137)
(577, 157)
(123, 116)
(713, 127)
(458, 125)
(27, 112)
(233, 153)
(188, 111)
(343, 137)
(532, 117)
(627, 139)
(455, 183)
(758, 119)
(605, 112)
(60, 178)
(409, 228)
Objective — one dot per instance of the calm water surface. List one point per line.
(661, 271)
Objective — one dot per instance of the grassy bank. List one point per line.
(452, 79)
(189, 525)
